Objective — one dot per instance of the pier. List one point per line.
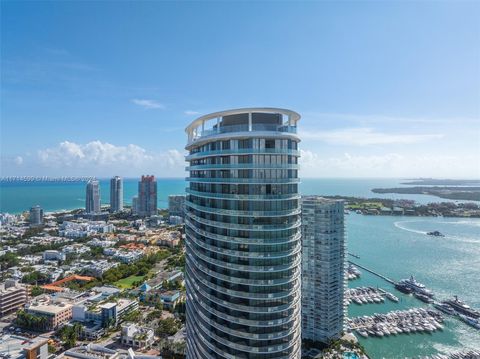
(373, 272)
(354, 255)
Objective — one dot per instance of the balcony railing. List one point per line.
(242, 151)
(246, 128)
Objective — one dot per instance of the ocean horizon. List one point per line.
(19, 196)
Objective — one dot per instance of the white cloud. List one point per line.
(191, 113)
(388, 165)
(103, 159)
(364, 136)
(18, 160)
(148, 104)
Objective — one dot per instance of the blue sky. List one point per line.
(385, 89)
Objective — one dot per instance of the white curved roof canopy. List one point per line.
(292, 115)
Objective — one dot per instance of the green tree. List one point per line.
(8, 260)
(36, 291)
(167, 327)
(69, 335)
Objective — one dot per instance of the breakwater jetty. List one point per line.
(373, 272)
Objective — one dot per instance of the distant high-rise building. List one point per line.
(36, 216)
(116, 194)
(135, 205)
(323, 269)
(92, 203)
(176, 205)
(147, 196)
(242, 226)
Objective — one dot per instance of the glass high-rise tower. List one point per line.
(242, 216)
(92, 197)
(147, 196)
(116, 194)
(323, 269)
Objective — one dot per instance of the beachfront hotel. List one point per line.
(323, 269)
(242, 216)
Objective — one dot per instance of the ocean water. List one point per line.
(16, 197)
(394, 246)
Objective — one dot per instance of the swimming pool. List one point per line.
(350, 355)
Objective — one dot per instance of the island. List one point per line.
(449, 192)
(404, 207)
(442, 182)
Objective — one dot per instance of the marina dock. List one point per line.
(396, 322)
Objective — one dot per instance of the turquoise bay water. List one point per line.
(398, 247)
(393, 246)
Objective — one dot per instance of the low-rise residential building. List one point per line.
(76, 248)
(13, 296)
(169, 239)
(124, 256)
(101, 243)
(84, 229)
(52, 255)
(98, 267)
(94, 351)
(137, 337)
(170, 298)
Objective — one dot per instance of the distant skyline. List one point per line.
(385, 89)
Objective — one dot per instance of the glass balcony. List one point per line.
(242, 334)
(241, 318)
(247, 255)
(258, 241)
(239, 213)
(251, 197)
(256, 127)
(242, 281)
(242, 180)
(245, 227)
(249, 268)
(247, 348)
(247, 308)
(227, 166)
(243, 151)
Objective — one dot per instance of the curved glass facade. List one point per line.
(243, 236)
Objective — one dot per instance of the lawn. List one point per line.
(126, 283)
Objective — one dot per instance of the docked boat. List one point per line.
(462, 308)
(470, 321)
(363, 333)
(424, 298)
(392, 297)
(403, 288)
(415, 286)
(444, 308)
